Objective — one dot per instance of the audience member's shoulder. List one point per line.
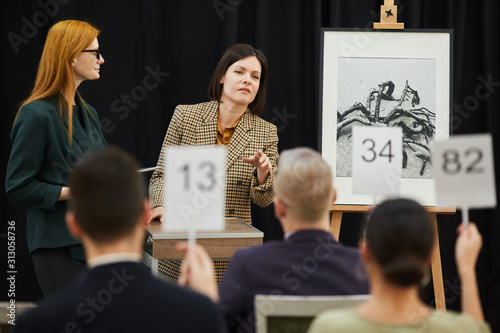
(169, 289)
(46, 312)
(452, 321)
(188, 302)
(325, 240)
(349, 249)
(344, 320)
(252, 251)
(131, 289)
(347, 320)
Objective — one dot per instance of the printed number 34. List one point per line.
(385, 152)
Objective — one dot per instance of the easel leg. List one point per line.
(335, 224)
(437, 272)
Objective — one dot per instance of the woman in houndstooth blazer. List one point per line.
(237, 91)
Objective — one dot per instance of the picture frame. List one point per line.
(385, 78)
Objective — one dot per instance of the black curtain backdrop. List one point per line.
(162, 53)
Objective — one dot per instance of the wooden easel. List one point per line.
(388, 17)
(437, 272)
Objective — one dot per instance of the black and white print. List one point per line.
(388, 92)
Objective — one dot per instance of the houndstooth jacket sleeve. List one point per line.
(196, 125)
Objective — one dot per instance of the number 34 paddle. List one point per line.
(377, 156)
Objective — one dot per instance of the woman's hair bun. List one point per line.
(400, 235)
(404, 271)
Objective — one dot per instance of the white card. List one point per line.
(194, 189)
(463, 169)
(377, 160)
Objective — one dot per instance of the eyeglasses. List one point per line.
(97, 53)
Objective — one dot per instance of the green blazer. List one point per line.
(40, 162)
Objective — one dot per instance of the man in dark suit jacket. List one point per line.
(309, 261)
(117, 293)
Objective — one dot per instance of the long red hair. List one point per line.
(55, 78)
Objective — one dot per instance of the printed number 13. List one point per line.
(205, 166)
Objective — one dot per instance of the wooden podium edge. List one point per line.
(436, 268)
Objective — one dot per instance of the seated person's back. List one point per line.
(309, 261)
(116, 293)
(396, 251)
(349, 320)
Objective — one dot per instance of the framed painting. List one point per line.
(385, 78)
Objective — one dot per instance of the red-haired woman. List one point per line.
(52, 130)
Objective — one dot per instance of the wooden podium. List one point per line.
(161, 256)
(437, 272)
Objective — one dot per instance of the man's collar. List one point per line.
(112, 258)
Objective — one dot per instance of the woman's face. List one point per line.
(86, 65)
(241, 81)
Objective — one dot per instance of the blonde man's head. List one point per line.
(304, 183)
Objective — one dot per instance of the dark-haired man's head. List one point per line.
(108, 200)
(399, 237)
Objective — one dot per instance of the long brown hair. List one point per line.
(55, 78)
